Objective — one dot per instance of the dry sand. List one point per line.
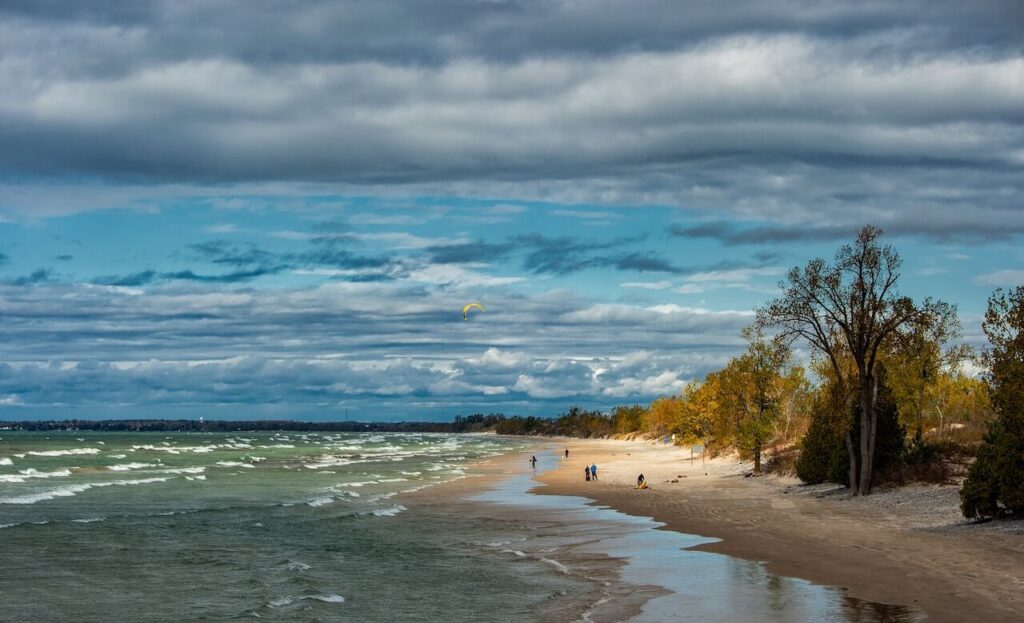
(907, 547)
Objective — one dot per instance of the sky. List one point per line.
(247, 209)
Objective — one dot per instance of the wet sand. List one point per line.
(890, 548)
(632, 570)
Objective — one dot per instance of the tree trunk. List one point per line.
(868, 421)
(853, 463)
(757, 458)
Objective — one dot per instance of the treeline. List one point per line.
(461, 424)
(884, 398)
(576, 422)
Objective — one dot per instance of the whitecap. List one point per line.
(390, 511)
(295, 565)
(70, 452)
(280, 602)
(6, 461)
(31, 473)
(72, 490)
(183, 470)
(556, 565)
(234, 464)
(331, 599)
(125, 467)
(320, 502)
(89, 520)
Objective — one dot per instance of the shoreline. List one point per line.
(466, 495)
(870, 547)
(639, 566)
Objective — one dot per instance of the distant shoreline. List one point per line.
(219, 426)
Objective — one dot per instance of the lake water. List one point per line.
(311, 527)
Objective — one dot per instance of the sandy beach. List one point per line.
(905, 547)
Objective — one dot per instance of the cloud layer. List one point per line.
(345, 343)
(611, 177)
(783, 110)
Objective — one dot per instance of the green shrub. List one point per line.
(996, 480)
(819, 444)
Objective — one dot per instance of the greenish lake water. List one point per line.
(309, 527)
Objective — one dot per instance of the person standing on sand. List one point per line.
(567, 453)
(586, 473)
(593, 471)
(533, 462)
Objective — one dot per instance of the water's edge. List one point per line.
(644, 559)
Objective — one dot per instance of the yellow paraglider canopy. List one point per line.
(465, 310)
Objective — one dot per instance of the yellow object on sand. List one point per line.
(642, 486)
(465, 310)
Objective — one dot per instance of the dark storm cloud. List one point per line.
(903, 113)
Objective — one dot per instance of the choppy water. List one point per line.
(307, 527)
(154, 527)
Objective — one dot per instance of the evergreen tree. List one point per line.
(996, 480)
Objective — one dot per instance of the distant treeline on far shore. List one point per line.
(461, 424)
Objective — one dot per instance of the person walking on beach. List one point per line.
(640, 480)
(586, 473)
(567, 453)
(533, 461)
(593, 471)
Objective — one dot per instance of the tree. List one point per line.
(627, 419)
(962, 401)
(793, 397)
(663, 415)
(855, 300)
(750, 388)
(698, 412)
(917, 358)
(996, 479)
(824, 436)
